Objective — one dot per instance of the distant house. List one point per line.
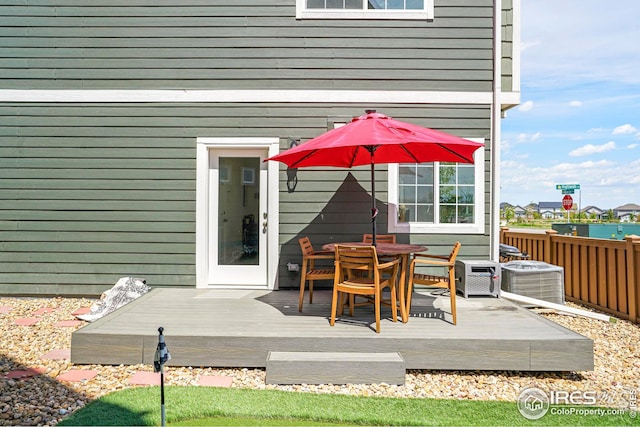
(594, 212)
(520, 211)
(551, 210)
(627, 213)
(530, 209)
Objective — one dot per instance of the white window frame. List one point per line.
(303, 13)
(476, 227)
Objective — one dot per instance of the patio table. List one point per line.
(402, 250)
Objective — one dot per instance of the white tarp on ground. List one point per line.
(124, 291)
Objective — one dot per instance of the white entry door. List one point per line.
(237, 251)
(235, 216)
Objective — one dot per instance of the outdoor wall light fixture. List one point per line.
(292, 173)
(293, 142)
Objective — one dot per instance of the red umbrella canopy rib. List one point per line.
(393, 141)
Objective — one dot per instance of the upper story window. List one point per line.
(364, 9)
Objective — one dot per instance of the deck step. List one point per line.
(298, 367)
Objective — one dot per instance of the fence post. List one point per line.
(503, 232)
(547, 250)
(633, 277)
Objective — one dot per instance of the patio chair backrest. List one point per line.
(380, 238)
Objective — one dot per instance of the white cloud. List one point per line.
(632, 146)
(523, 138)
(609, 180)
(624, 130)
(526, 106)
(575, 104)
(585, 150)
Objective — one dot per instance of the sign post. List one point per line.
(568, 189)
(567, 204)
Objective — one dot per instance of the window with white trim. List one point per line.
(364, 9)
(437, 197)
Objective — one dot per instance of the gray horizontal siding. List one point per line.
(258, 44)
(507, 46)
(90, 193)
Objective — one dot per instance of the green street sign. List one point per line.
(567, 186)
(567, 191)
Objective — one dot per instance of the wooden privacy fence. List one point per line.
(600, 273)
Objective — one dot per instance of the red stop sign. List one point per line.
(567, 202)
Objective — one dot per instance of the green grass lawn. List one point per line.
(224, 406)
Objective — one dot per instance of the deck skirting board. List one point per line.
(107, 349)
(566, 355)
(492, 334)
(252, 352)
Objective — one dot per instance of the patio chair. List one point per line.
(447, 280)
(358, 272)
(309, 270)
(380, 238)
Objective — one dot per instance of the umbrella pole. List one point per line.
(374, 210)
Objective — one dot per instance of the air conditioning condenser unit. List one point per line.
(534, 279)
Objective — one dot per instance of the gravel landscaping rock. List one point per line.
(34, 398)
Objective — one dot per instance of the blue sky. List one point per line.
(579, 117)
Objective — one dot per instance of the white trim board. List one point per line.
(242, 96)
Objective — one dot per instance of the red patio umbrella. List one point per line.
(375, 138)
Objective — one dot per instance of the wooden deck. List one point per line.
(238, 328)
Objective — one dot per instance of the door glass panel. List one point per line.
(238, 211)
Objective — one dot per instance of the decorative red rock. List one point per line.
(215, 381)
(145, 378)
(30, 372)
(77, 375)
(26, 321)
(81, 310)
